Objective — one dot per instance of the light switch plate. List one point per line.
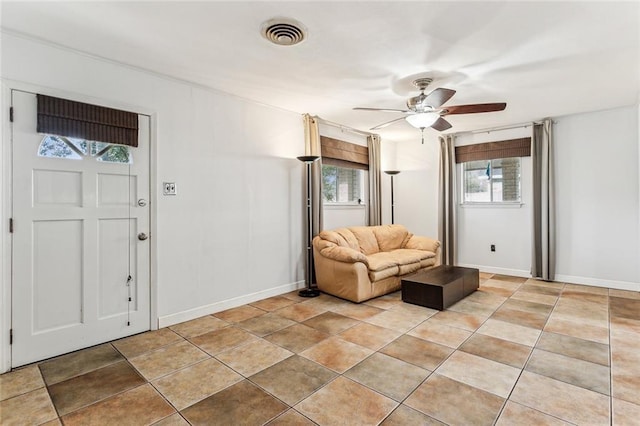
(169, 188)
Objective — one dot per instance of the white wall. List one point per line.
(233, 233)
(597, 212)
(598, 196)
(508, 227)
(344, 216)
(416, 187)
(336, 216)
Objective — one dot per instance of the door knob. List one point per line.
(142, 236)
(142, 202)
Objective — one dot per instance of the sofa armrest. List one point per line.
(423, 243)
(338, 253)
(344, 254)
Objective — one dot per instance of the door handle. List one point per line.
(142, 236)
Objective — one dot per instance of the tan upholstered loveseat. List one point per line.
(362, 262)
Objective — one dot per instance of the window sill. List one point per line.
(492, 205)
(345, 206)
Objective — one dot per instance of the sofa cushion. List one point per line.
(390, 237)
(406, 256)
(366, 239)
(428, 262)
(422, 243)
(408, 268)
(397, 262)
(384, 273)
(381, 261)
(342, 237)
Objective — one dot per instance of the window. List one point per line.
(491, 170)
(56, 147)
(342, 185)
(344, 172)
(78, 149)
(491, 181)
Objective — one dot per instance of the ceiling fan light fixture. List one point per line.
(422, 120)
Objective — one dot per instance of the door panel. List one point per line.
(59, 263)
(54, 187)
(108, 193)
(113, 234)
(74, 243)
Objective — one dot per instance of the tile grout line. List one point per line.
(432, 372)
(330, 308)
(524, 366)
(338, 374)
(484, 322)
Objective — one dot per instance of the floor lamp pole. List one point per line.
(392, 173)
(308, 291)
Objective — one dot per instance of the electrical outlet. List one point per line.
(493, 247)
(169, 188)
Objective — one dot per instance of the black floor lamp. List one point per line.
(392, 173)
(309, 291)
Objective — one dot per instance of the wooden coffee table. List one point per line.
(440, 287)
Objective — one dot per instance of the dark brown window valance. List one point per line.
(344, 154)
(63, 117)
(492, 150)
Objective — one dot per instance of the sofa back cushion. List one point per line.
(342, 237)
(366, 239)
(391, 237)
(369, 239)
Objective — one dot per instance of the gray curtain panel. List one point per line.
(375, 179)
(543, 262)
(447, 200)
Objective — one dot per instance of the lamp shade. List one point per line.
(308, 158)
(422, 120)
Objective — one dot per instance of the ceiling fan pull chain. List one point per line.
(422, 132)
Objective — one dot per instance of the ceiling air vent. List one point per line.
(284, 31)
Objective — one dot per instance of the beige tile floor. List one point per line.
(516, 352)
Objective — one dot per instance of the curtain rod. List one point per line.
(343, 127)
(507, 127)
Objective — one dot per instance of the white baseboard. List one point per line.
(571, 279)
(598, 282)
(178, 317)
(501, 271)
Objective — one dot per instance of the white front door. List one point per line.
(80, 272)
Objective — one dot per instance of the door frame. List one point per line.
(6, 200)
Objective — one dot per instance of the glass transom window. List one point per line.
(78, 149)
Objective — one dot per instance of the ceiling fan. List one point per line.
(427, 111)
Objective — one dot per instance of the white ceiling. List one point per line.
(542, 58)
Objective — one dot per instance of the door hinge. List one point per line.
(11, 336)
(11, 225)
(11, 114)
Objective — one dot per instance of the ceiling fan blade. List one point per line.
(438, 97)
(474, 108)
(380, 126)
(441, 125)
(380, 109)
